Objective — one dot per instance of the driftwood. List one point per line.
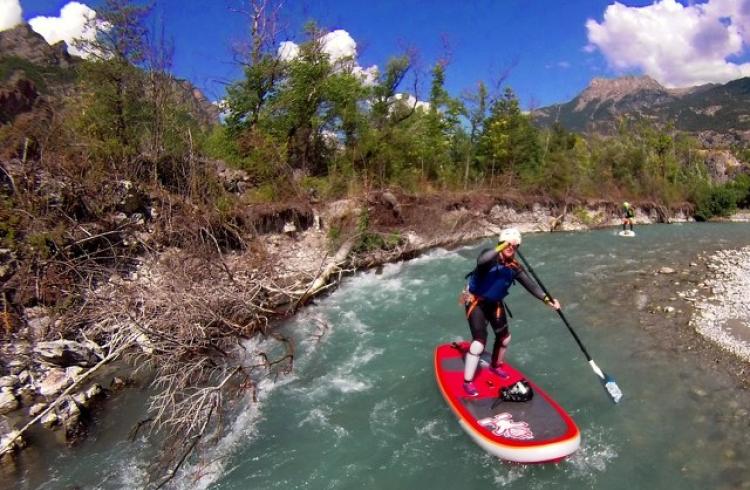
(333, 266)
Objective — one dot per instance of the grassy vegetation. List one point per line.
(42, 76)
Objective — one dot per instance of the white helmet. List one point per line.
(510, 235)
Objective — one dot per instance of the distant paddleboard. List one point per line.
(533, 431)
(627, 233)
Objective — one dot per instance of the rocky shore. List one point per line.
(723, 315)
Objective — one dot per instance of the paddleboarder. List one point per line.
(486, 287)
(628, 215)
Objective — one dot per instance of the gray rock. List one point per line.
(8, 401)
(36, 409)
(18, 442)
(9, 381)
(66, 353)
(24, 377)
(16, 366)
(94, 391)
(39, 326)
(55, 382)
(50, 420)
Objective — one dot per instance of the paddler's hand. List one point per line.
(552, 302)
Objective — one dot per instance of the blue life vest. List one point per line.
(493, 284)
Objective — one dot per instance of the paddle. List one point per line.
(607, 381)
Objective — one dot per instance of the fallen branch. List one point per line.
(334, 265)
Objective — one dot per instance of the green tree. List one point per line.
(476, 110)
(114, 113)
(510, 142)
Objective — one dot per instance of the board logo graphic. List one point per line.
(503, 425)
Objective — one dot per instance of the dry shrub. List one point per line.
(188, 315)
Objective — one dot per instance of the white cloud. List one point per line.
(409, 100)
(10, 14)
(71, 24)
(339, 44)
(342, 50)
(677, 45)
(369, 76)
(288, 50)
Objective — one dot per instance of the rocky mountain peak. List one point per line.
(615, 89)
(22, 42)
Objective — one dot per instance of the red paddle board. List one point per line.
(533, 431)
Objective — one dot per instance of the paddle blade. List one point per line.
(613, 390)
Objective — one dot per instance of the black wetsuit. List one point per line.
(629, 214)
(489, 284)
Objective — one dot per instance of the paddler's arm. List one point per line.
(532, 287)
(488, 256)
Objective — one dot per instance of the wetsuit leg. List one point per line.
(502, 338)
(478, 326)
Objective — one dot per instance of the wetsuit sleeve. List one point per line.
(530, 285)
(486, 259)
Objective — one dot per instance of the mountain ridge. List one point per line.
(708, 109)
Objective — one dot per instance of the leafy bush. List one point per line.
(369, 241)
(716, 201)
(741, 188)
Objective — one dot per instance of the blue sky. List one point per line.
(550, 48)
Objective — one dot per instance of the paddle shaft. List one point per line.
(559, 311)
(609, 384)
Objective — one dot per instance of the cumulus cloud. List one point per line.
(73, 23)
(369, 75)
(342, 50)
(288, 50)
(678, 45)
(10, 14)
(409, 100)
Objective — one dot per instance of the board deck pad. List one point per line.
(534, 431)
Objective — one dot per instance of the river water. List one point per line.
(361, 408)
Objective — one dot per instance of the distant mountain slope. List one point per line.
(32, 71)
(714, 108)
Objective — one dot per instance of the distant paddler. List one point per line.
(628, 215)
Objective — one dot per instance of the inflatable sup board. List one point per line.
(626, 233)
(533, 431)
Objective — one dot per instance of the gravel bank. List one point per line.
(723, 316)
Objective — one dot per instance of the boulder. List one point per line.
(9, 381)
(55, 382)
(50, 420)
(71, 418)
(18, 442)
(94, 391)
(66, 353)
(8, 401)
(36, 409)
(17, 366)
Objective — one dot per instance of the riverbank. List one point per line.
(723, 315)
